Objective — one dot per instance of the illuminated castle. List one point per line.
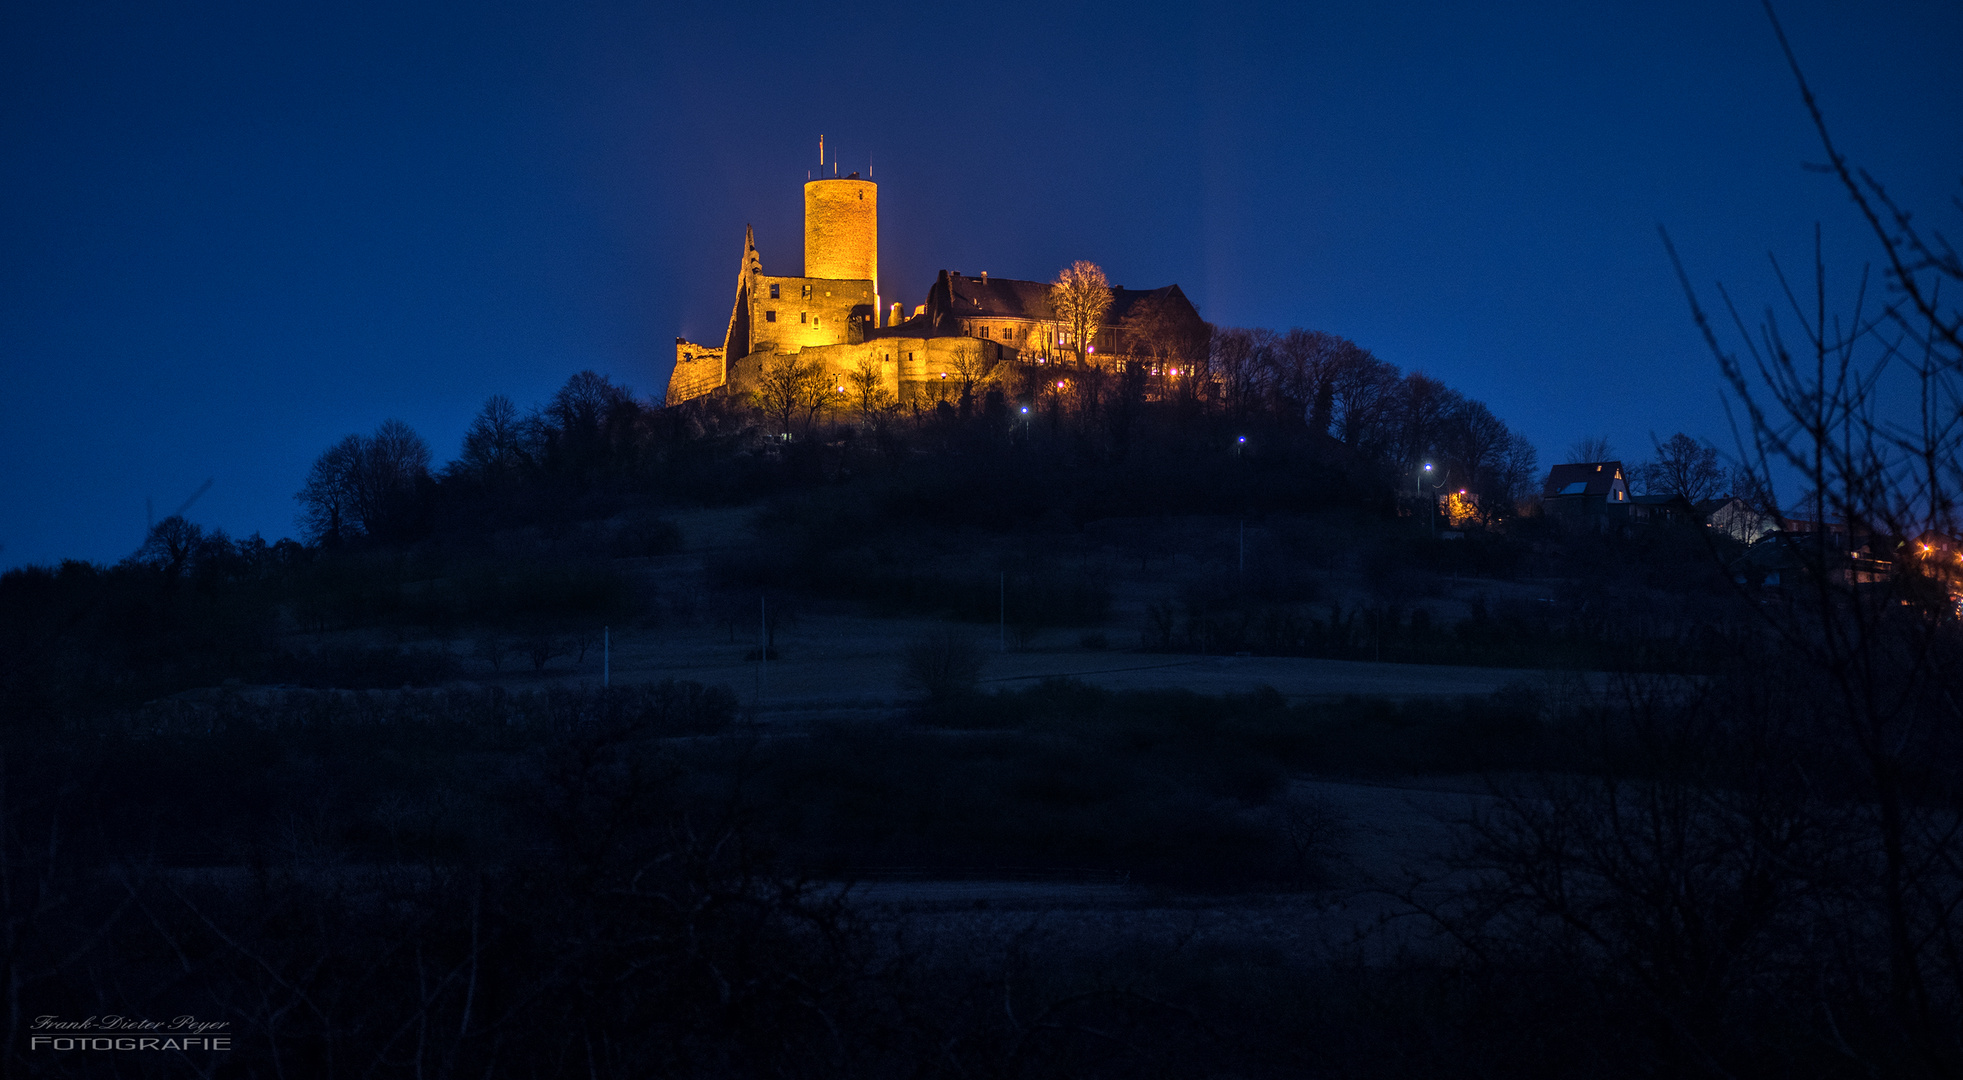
(832, 315)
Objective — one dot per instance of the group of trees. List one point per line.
(594, 450)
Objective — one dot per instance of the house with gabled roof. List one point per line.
(1019, 314)
(1585, 487)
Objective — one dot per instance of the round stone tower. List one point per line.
(841, 229)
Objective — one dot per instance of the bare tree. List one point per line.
(171, 545)
(868, 391)
(1301, 363)
(941, 664)
(1591, 449)
(1361, 392)
(493, 447)
(1472, 442)
(969, 367)
(394, 471)
(329, 510)
(787, 386)
(1818, 393)
(1421, 405)
(1683, 466)
(1518, 473)
(1243, 362)
(1080, 296)
(370, 486)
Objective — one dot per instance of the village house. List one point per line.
(1586, 491)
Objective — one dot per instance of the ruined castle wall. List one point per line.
(698, 370)
(806, 312)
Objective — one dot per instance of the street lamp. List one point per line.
(1432, 515)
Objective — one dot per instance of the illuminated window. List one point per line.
(773, 291)
(769, 316)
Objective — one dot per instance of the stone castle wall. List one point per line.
(808, 311)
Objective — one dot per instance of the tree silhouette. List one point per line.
(1080, 296)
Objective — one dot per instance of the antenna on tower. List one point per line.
(821, 153)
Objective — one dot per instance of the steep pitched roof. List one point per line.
(1582, 478)
(1012, 298)
(956, 296)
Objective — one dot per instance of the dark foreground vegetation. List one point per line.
(1678, 876)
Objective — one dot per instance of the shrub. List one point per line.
(940, 665)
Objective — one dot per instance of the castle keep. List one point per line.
(832, 315)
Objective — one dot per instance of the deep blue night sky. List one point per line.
(230, 234)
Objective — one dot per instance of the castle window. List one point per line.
(801, 316)
(769, 316)
(984, 331)
(773, 291)
(807, 290)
